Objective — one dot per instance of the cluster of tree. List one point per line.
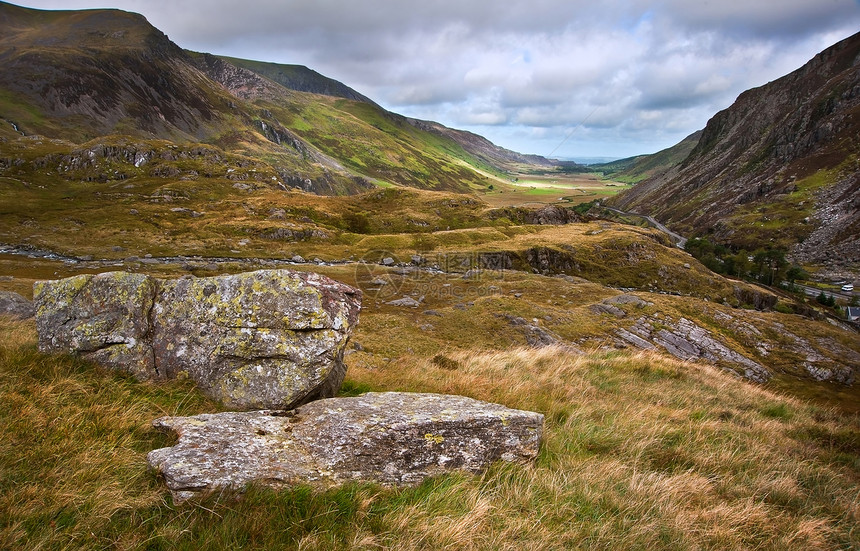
(767, 266)
(826, 300)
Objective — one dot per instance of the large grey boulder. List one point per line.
(264, 339)
(391, 438)
(15, 306)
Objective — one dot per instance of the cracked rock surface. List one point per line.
(687, 341)
(393, 438)
(264, 339)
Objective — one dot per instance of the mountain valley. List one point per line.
(684, 408)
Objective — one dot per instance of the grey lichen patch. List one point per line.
(104, 317)
(391, 438)
(264, 339)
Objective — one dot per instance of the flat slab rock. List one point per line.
(391, 438)
(687, 341)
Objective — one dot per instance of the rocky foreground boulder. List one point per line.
(391, 438)
(15, 306)
(264, 339)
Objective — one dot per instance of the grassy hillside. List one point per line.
(140, 204)
(635, 169)
(640, 451)
(130, 198)
(379, 145)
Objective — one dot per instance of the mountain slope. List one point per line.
(635, 169)
(777, 168)
(299, 78)
(81, 74)
(84, 75)
(303, 79)
(483, 148)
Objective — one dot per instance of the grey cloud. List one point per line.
(762, 19)
(427, 94)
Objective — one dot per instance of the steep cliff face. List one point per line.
(299, 78)
(778, 167)
(240, 82)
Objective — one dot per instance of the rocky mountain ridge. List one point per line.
(299, 78)
(96, 72)
(777, 168)
(91, 74)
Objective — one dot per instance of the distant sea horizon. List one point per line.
(588, 160)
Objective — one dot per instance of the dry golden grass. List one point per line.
(74, 443)
(640, 451)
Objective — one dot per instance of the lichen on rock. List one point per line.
(391, 438)
(264, 339)
(104, 317)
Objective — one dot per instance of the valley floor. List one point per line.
(533, 189)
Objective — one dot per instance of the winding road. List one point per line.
(680, 240)
(815, 291)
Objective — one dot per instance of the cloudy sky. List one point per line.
(567, 78)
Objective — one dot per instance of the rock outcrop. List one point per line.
(546, 215)
(391, 438)
(609, 305)
(264, 339)
(536, 336)
(687, 341)
(758, 298)
(15, 306)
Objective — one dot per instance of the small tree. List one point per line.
(796, 272)
(742, 264)
(771, 265)
(793, 274)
